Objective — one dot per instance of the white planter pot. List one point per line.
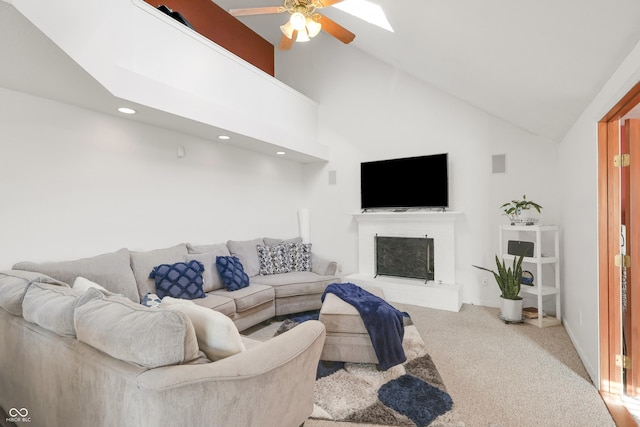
(528, 216)
(512, 309)
(525, 215)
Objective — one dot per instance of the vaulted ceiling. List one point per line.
(536, 64)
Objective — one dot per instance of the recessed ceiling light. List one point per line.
(280, 153)
(367, 11)
(126, 110)
(224, 137)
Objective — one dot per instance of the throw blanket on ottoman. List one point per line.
(384, 323)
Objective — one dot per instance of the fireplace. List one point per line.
(441, 289)
(438, 226)
(410, 257)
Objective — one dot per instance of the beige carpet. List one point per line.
(502, 375)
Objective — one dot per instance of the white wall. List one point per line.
(75, 183)
(578, 153)
(370, 110)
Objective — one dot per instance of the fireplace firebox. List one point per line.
(410, 257)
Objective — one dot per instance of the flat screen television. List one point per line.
(410, 182)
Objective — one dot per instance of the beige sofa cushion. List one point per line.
(270, 241)
(247, 253)
(218, 336)
(143, 262)
(51, 307)
(111, 270)
(14, 285)
(134, 333)
(322, 266)
(222, 304)
(249, 297)
(295, 283)
(210, 277)
(220, 248)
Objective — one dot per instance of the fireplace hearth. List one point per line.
(410, 257)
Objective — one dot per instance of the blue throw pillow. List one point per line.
(179, 280)
(232, 273)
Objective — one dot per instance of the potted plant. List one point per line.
(520, 210)
(509, 279)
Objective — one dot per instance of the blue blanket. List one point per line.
(384, 323)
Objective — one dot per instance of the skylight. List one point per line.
(367, 11)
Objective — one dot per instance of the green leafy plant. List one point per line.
(513, 208)
(508, 278)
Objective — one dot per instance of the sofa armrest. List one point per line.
(252, 388)
(323, 266)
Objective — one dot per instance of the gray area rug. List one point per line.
(411, 394)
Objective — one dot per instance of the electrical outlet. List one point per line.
(484, 281)
(339, 268)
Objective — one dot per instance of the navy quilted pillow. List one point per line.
(179, 280)
(232, 273)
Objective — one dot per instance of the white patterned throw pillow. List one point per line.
(264, 257)
(300, 256)
(274, 259)
(151, 300)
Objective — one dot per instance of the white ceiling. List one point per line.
(536, 64)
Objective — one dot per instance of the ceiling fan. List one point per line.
(305, 22)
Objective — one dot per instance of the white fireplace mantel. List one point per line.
(407, 216)
(443, 292)
(437, 225)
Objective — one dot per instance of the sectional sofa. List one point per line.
(97, 356)
(127, 272)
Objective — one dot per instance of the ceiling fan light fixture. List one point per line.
(313, 27)
(287, 29)
(302, 36)
(304, 22)
(298, 21)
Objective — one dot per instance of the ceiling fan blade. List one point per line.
(286, 42)
(256, 11)
(327, 3)
(336, 30)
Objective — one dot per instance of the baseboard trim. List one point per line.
(593, 373)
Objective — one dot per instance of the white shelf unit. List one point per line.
(540, 259)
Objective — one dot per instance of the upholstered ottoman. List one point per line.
(347, 339)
